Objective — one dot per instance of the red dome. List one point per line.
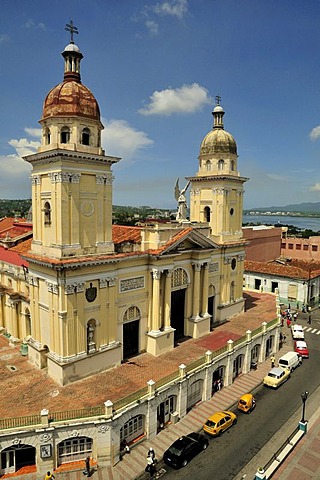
(70, 98)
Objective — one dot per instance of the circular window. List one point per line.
(233, 263)
(231, 211)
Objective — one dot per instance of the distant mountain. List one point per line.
(307, 207)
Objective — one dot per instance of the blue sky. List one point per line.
(155, 67)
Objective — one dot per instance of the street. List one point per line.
(228, 454)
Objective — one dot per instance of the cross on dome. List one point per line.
(218, 99)
(72, 29)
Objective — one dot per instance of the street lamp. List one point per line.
(304, 397)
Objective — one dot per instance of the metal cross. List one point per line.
(218, 98)
(72, 29)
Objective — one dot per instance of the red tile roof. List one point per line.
(285, 268)
(121, 233)
(9, 256)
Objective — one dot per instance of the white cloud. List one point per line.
(34, 132)
(186, 99)
(23, 146)
(153, 27)
(175, 8)
(30, 24)
(280, 178)
(120, 139)
(14, 179)
(315, 187)
(315, 133)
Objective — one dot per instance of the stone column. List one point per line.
(196, 290)
(205, 290)
(155, 323)
(167, 299)
(113, 321)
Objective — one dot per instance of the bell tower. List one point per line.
(71, 175)
(216, 196)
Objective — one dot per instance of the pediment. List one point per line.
(188, 240)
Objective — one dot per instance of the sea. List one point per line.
(304, 223)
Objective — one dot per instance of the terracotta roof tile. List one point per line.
(292, 269)
(121, 233)
(29, 390)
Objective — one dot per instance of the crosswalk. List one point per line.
(311, 330)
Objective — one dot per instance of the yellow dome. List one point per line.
(218, 141)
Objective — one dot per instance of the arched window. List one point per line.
(207, 214)
(47, 136)
(65, 135)
(208, 165)
(85, 137)
(221, 164)
(47, 213)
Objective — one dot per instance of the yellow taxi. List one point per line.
(219, 422)
(276, 377)
(246, 403)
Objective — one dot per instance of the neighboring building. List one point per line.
(301, 248)
(297, 282)
(263, 242)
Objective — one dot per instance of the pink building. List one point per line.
(265, 243)
(301, 248)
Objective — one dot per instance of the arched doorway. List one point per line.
(131, 327)
(269, 346)
(179, 283)
(165, 409)
(194, 393)
(237, 366)
(218, 379)
(132, 429)
(16, 457)
(255, 356)
(74, 449)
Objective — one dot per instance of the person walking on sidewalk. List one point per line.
(49, 476)
(151, 467)
(272, 361)
(87, 470)
(309, 319)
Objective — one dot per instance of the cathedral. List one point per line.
(123, 309)
(83, 295)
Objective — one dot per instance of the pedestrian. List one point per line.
(304, 308)
(272, 361)
(151, 468)
(124, 448)
(49, 476)
(309, 319)
(288, 322)
(87, 470)
(152, 454)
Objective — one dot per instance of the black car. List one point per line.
(184, 449)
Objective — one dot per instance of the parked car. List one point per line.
(290, 360)
(184, 449)
(246, 403)
(301, 347)
(297, 332)
(219, 422)
(276, 377)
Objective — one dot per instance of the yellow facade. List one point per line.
(92, 301)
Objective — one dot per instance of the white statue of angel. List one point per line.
(179, 195)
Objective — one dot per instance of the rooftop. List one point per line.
(29, 390)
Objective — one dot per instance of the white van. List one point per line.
(290, 360)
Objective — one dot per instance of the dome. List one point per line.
(71, 98)
(72, 47)
(218, 141)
